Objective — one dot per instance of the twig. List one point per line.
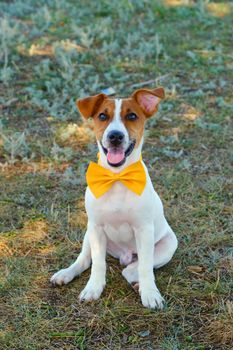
(156, 80)
(8, 103)
(218, 280)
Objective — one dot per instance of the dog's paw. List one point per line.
(63, 276)
(92, 291)
(152, 299)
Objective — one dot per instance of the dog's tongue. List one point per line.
(115, 156)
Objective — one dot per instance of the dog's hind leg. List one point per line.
(131, 275)
(82, 263)
(165, 249)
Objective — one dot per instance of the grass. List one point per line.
(54, 52)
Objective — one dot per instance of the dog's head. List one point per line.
(119, 123)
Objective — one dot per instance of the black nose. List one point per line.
(116, 137)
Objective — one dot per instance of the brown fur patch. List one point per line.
(108, 108)
(129, 105)
(135, 128)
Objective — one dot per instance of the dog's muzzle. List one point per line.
(116, 155)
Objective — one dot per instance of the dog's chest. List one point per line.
(117, 218)
(116, 207)
(115, 212)
(122, 233)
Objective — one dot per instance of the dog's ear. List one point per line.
(89, 105)
(148, 99)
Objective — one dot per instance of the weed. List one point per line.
(15, 147)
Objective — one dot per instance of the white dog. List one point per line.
(126, 222)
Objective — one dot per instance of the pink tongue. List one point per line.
(115, 156)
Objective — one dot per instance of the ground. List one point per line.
(53, 52)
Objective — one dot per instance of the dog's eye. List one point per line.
(103, 117)
(131, 116)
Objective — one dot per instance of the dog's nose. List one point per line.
(116, 137)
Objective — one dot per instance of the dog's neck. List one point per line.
(132, 158)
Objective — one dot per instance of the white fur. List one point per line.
(123, 224)
(116, 124)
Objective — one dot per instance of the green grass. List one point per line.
(53, 52)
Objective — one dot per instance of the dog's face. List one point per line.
(119, 123)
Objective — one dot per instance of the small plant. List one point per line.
(61, 154)
(201, 4)
(15, 147)
(158, 48)
(7, 33)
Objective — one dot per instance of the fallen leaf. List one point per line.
(195, 269)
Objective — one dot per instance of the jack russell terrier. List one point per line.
(125, 214)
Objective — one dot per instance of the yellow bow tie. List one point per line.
(100, 180)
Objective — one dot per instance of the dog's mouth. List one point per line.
(116, 156)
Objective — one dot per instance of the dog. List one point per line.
(125, 222)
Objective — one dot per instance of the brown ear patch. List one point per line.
(148, 99)
(89, 105)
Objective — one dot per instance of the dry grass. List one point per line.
(75, 136)
(220, 332)
(55, 52)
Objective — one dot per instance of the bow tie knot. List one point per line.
(100, 180)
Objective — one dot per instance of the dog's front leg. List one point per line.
(97, 280)
(150, 294)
